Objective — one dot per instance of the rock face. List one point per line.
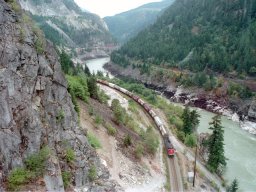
(252, 111)
(33, 94)
(64, 23)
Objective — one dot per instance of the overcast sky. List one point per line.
(110, 7)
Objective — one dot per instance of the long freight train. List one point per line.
(167, 141)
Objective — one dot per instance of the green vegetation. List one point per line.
(94, 142)
(78, 85)
(190, 120)
(36, 162)
(119, 112)
(110, 129)
(34, 167)
(233, 187)
(18, 177)
(190, 140)
(98, 119)
(239, 91)
(60, 116)
(216, 160)
(207, 36)
(66, 177)
(127, 140)
(151, 142)
(139, 149)
(70, 155)
(92, 173)
(125, 25)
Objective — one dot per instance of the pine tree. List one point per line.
(194, 116)
(190, 120)
(187, 126)
(216, 158)
(92, 87)
(233, 187)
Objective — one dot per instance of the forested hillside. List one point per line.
(217, 35)
(126, 25)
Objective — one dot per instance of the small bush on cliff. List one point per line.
(34, 167)
(66, 177)
(111, 130)
(94, 142)
(92, 173)
(36, 163)
(70, 155)
(18, 177)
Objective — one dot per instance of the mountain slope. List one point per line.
(36, 111)
(64, 23)
(218, 35)
(125, 25)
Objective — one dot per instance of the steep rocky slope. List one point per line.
(126, 25)
(36, 110)
(64, 23)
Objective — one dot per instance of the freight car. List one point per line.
(167, 141)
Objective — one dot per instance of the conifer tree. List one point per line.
(187, 126)
(92, 87)
(233, 187)
(216, 159)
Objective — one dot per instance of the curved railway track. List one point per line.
(175, 180)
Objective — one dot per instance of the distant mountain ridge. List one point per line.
(217, 35)
(126, 25)
(64, 23)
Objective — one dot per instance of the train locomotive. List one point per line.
(167, 141)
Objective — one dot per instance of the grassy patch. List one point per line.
(92, 173)
(110, 129)
(94, 142)
(70, 155)
(34, 167)
(66, 177)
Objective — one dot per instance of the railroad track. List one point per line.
(175, 178)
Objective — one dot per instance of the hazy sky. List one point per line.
(110, 7)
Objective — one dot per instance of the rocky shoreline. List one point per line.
(195, 98)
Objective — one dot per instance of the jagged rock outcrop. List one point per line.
(64, 23)
(252, 111)
(33, 96)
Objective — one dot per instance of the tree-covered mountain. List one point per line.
(217, 35)
(64, 23)
(125, 25)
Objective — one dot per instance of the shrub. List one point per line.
(139, 151)
(94, 142)
(70, 155)
(151, 141)
(181, 135)
(190, 140)
(36, 163)
(66, 177)
(91, 111)
(60, 116)
(92, 173)
(18, 177)
(98, 120)
(78, 86)
(111, 130)
(127, 140)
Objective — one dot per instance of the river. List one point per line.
(240, 146)
(240, 149)
(95, 65)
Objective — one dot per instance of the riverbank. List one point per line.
(237, 110)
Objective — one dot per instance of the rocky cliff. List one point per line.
(36, 110)
(64, 23)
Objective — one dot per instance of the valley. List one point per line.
(128, 102)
